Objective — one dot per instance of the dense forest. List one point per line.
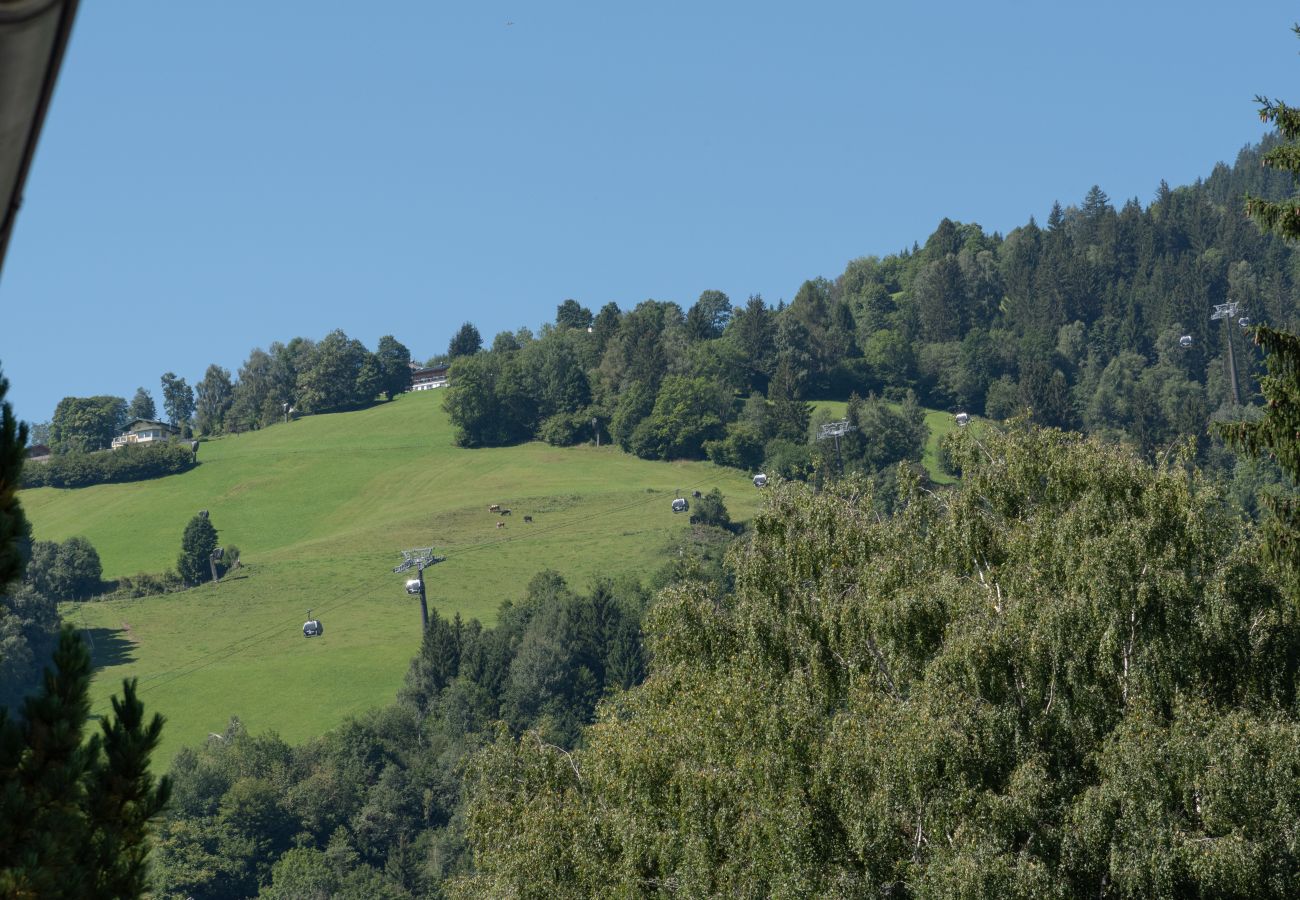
(1098, 321)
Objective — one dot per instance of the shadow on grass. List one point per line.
(108, 647)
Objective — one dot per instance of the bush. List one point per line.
(130, 587)
(791, 461)
(710, 510)
(566, 428)
(134, 462)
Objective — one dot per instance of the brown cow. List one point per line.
(495, 507)
(501, 524)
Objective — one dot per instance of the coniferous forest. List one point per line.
(1072, 673)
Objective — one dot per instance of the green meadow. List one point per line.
(320, 509)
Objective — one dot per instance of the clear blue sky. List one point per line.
(215, 177)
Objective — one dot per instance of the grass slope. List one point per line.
(320, 509)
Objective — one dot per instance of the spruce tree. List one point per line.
(74, 813)
(197, 544)
(1275, 433)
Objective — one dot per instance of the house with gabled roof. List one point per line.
(145, 431)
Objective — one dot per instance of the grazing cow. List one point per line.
(495, 507)
(501, 524)
(528, 518)
(696, 494)
(505, 512)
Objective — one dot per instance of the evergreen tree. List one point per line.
(74, 813)
(1277, 433)
(465, 342)
(142, 406)
(197, 544)
(14, 530)
(572, 314)
(1281, 217)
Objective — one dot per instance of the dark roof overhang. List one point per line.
(33, 36)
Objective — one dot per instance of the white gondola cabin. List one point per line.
(760, 480)
(963, 419)
(1185, 341)
(413, 586)
(680, 505)
(312, 628)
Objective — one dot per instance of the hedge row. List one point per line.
(134, 462)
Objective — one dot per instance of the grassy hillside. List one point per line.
(320, 509)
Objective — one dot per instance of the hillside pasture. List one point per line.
(321, 508)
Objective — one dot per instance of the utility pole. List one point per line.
(1228, 311)
(836, 430)
(418, 560)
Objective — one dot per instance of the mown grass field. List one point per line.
(320, 509)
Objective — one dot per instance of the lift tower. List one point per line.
(1228, 311)
(419, 560)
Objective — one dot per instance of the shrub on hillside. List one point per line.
(710, 510)
(134, 462)
(145, 584)
(565, 429)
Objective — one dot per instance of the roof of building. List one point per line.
(136, 424)
(33, 35)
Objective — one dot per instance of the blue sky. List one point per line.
(215, 177)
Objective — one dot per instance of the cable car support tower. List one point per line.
(836, 430)
(419, 560)
(1229, 311)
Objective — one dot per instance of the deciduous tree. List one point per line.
(213, 397)
(178, 400)
(394, 366)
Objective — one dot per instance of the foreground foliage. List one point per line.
(74, 814)
(1071, 676)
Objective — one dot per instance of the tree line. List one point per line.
(334, 373)
(1097, 321)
